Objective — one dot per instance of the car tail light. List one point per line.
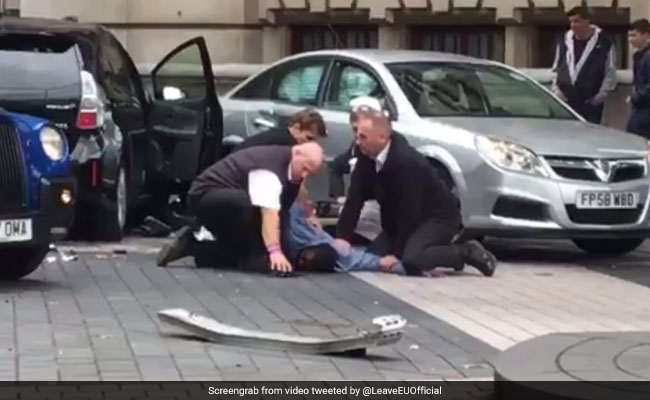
(91, 110)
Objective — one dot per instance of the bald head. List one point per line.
(373, 132)
(306, 158)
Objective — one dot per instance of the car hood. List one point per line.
(555, 137)
(31, 122)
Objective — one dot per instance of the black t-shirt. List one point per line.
(579, 47)
(271, 137)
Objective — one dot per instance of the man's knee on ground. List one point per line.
(320, 258)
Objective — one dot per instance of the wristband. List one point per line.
(273, 249)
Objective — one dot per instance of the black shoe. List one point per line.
(178, 248)
(478, 257)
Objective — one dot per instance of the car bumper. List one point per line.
(50, 223)
(519, 205)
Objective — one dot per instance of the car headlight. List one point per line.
(510, 156)
(53, 143)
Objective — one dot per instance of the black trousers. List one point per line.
(430, 246)
(236, 224)
(592, 113)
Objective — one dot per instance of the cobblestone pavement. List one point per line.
(95, 319)
(539, 289)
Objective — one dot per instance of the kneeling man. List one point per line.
(243, 201)
(420, 217)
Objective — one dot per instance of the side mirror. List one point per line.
(173, 93)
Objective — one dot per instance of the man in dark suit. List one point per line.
(420, 217)
(639, 119)
(304, 126)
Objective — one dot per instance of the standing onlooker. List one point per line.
(585, 66)
(639, 121)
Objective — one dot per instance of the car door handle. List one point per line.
(264, 122)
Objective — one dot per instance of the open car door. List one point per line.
(185, 120)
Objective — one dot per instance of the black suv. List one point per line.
(127, 145)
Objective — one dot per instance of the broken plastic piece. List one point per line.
(385, 330)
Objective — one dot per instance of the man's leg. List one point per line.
(592, 113)
(229, 216)
(430, 247)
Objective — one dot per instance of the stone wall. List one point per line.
(259, 31)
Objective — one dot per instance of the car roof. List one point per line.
(395, 56)
(46, 25)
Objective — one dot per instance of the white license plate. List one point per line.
(607, 200)
(15, 230)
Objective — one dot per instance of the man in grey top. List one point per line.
(585, 66)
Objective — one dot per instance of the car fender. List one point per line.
(113, 153)
(444, 157)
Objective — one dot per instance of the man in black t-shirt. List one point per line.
(304, 126)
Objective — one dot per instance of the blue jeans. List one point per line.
(301, 234)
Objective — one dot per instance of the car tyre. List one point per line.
(608, 247)
(113, 216)
(24, 261)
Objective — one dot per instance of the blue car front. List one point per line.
(37, 192)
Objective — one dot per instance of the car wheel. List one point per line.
(445, 176)
(608, 247)
(24, 261)
(114, 215)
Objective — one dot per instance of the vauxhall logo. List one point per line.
(604, 169)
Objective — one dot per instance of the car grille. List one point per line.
(604, 217)
(12, 170)
(596, 170)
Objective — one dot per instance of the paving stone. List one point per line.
(101, 314)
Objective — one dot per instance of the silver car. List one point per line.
(522, 163)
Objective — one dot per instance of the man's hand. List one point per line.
(387, 263)
(341, 200)
(315, 222)
(597, 100)
(280, 263)
(341, 246)
(561, 95)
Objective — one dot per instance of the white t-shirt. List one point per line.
(265, 188)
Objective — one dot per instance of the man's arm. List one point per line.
(270, 137)
(409, 211)
(265, 189)
(337, 169)
(610, 80)
(357, 195)
(641, 96)
(270, 227)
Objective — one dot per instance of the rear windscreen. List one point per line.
(37, 62)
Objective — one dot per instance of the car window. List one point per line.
(258, 88)
(451, 89)
(38, 62)
(182, 76)
(352, 81)
(300, 84)
(118, 82)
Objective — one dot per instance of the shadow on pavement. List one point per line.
(27, 284)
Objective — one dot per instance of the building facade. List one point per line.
(521, 33)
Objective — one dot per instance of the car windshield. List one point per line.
(469, 90)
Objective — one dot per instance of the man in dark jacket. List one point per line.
(420, 217)
(304, 126)
(585, 66)
(639, 121)
(243, 200)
